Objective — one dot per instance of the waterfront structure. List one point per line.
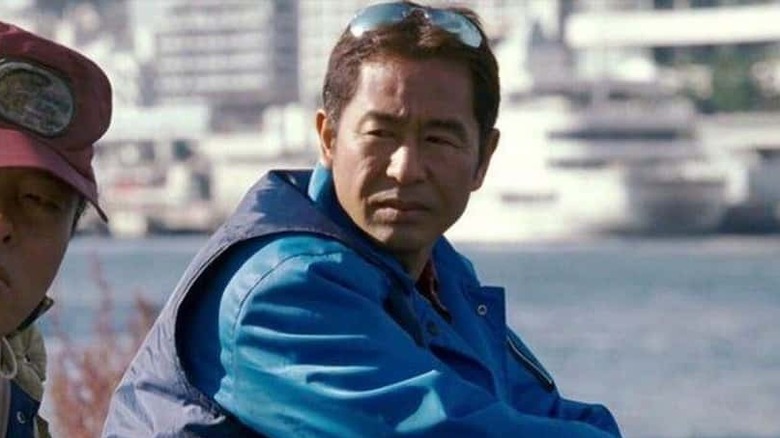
(702, 44)
(583, 155)
(627, 158)
(671, 23)
(153, 174)
(198, 40)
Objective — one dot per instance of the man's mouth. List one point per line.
(399, 211)
(401, 205)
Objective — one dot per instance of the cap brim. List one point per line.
(18, 149)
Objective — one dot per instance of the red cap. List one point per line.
(54, 105)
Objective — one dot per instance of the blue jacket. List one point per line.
(290, 323)
(21, 412)
(23, 362)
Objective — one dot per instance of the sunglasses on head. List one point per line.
(385, 14)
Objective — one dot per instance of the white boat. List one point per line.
(627, 159)
(156, 184)
(687, 198)
(517, 201)
(758, 209)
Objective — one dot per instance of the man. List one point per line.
(330, 304)
(54, 105)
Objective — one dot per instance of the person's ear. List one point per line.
(327, 137)
(491, 143)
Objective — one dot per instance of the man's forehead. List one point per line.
(394, 90)
(409, 80)
(415, 67)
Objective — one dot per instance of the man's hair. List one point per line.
(414, 38)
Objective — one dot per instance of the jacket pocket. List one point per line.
(526, 359)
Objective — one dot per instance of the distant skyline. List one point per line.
(145, 16)
(146, 13)
(17, 4)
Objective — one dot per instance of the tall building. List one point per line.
(320, 24)
(238, 56)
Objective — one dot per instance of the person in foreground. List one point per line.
(54, 105)
(330, 304)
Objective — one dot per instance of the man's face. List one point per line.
(36, 217)
(405, 154)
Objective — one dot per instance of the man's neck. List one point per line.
(413, 262)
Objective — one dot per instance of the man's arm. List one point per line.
(308, 350)
(541, 397)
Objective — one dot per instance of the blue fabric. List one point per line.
(289, 322)
(21, 413)
(294, 340)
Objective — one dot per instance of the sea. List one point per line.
(679, 337)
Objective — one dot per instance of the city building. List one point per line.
(238, 56)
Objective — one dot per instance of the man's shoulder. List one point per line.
(295, 265)
(295, 245)
(299, 252)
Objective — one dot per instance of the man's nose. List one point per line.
(405, 164)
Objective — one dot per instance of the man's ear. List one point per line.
(491, 144)
(327, 138)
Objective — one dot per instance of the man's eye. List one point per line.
(441, 140)
(381, 133)
(40, 201)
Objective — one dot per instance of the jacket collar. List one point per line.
(322, 191)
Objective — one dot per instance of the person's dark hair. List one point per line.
(414, 38)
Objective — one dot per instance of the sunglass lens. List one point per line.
(459, 25)
(376, 16)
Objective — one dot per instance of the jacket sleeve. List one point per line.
(309, 351)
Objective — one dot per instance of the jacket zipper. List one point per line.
(532, 367)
